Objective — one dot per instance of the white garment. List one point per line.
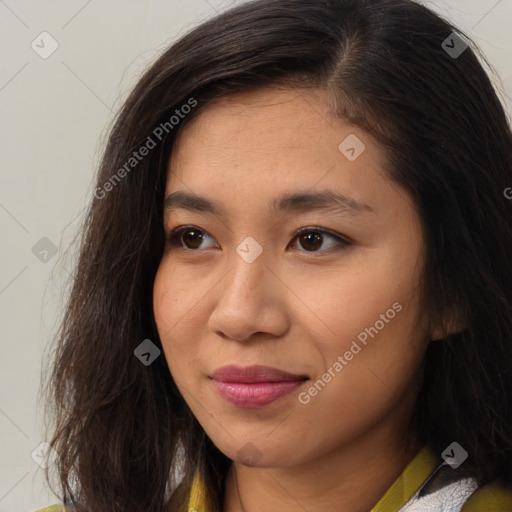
(449, 498)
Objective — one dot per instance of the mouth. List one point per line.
(254, 386)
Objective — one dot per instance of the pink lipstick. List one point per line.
(255, 386)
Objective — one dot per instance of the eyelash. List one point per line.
(173, 238)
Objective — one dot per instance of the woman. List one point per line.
(294, 286)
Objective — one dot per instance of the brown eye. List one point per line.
(312, 239)
(187, 237)
(192, 237)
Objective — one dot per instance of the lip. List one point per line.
(255, 386)
(253, 374)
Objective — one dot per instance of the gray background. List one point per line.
(55, 113)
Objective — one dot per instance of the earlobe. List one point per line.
(453, 325)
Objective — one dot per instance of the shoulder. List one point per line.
(53, 508)
(491, 498)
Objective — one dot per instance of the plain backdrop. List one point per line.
(55, 113)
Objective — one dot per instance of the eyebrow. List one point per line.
(298, 202)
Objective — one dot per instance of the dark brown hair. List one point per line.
(125, 437)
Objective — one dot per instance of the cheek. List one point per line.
(381, 352)
(361, 382)
(353, 301)
(177, 292)
(376, 325)
(165, 303)
(173, 303)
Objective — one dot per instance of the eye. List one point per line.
(310, 238)
(194, 237)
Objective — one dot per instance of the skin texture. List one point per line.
(294, 307)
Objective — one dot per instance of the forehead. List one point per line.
(271, 134)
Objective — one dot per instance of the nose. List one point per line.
(250, 299)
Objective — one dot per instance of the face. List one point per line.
(337, 304)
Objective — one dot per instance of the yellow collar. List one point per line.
(416, 472)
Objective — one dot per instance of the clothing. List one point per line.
(427, 484)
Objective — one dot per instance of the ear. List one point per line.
(452, 324)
